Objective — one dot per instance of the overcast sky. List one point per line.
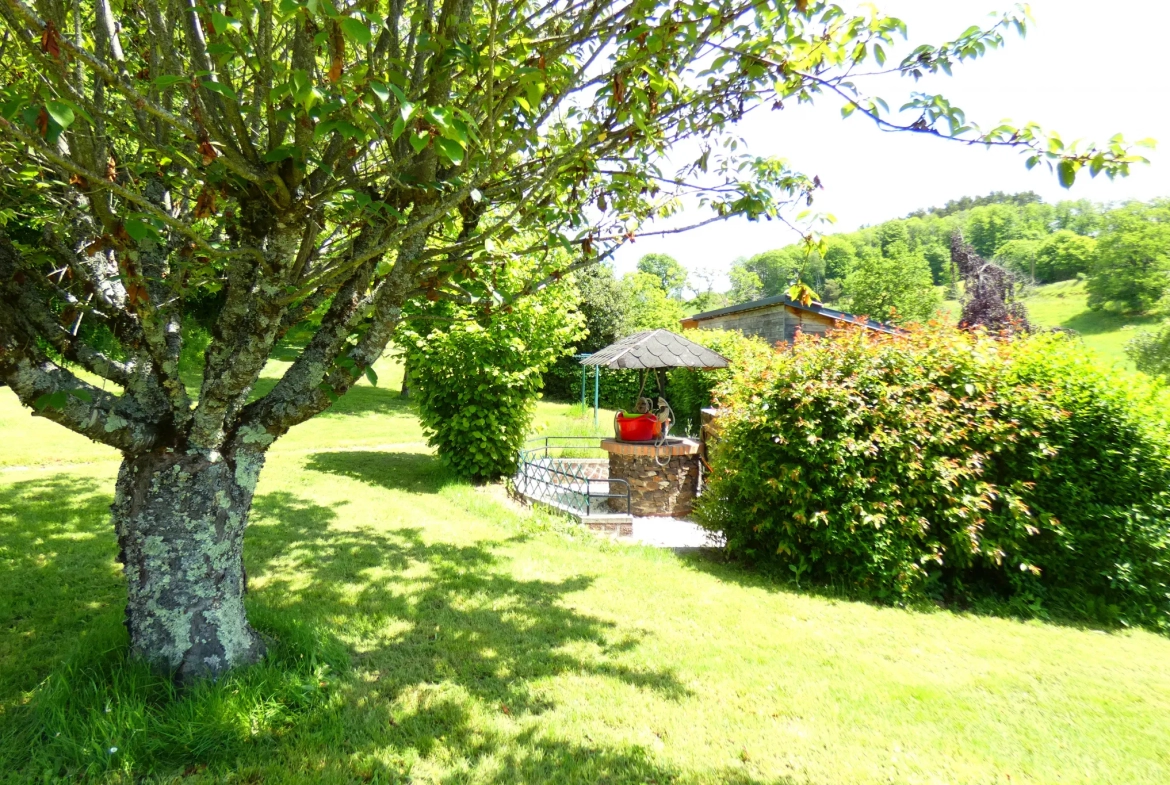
(1086, 69)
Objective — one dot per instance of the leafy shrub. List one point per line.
(949, 464)
(1150, 352)
(478, 378)
(690, 391)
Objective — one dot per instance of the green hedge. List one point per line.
(949, 465)
(562, 382)
(690, 391)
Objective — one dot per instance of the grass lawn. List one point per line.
(1065, 304)
(491, 644)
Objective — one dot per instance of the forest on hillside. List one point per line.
(893, 270)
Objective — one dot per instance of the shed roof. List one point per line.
(788, 302)
(656, 349)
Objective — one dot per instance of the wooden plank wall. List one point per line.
(774, 323)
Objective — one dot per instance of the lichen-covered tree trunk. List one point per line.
(180, 522)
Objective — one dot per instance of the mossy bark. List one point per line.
(180, 522)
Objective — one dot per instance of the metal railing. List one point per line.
(547, 474)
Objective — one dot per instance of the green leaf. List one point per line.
(381, 91)
(279, 153)
(222, 89)
(419, 141)
(356, 29)
(329, 392)
(61, 113)
(450, 150)
(373, 377)
(457, 132)
(55, 400)
(222, 22)
(324, 129)
(168, 80)
(138, 230)
(304, 93)
(1066, 172)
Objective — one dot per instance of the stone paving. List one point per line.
(672, 533)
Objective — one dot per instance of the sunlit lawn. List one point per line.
(490, 644)
(1065, 304)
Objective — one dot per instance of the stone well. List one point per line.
(655, 490)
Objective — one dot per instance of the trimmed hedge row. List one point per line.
(952, 465)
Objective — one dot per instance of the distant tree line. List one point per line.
(897, 269)
(967, 202)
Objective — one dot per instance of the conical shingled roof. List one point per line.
(656, 349)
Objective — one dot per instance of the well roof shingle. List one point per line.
(656, 349)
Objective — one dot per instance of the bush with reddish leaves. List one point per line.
(950, 465)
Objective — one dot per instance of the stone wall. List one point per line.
(588, 468)
(656, 490)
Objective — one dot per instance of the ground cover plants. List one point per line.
(950, 465)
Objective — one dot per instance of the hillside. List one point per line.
(1064, 304)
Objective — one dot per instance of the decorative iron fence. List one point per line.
(567, 472)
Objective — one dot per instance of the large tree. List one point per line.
(1130, 270)
(894, 285)
(671, 275)
(340, 159)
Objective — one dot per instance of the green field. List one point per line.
(491, 644)
(1065, 304)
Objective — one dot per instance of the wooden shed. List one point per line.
(778, 319)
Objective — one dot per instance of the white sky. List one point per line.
(1087, 70)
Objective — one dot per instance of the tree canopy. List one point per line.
(671, 275)
(892, 286)
(1131, 269)
(1116, 247)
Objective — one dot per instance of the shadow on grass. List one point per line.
(1096, 322)
(360, 399)
(57, 570)
(454, 611)
(449, 651)
(403, 471)
(719, 565)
